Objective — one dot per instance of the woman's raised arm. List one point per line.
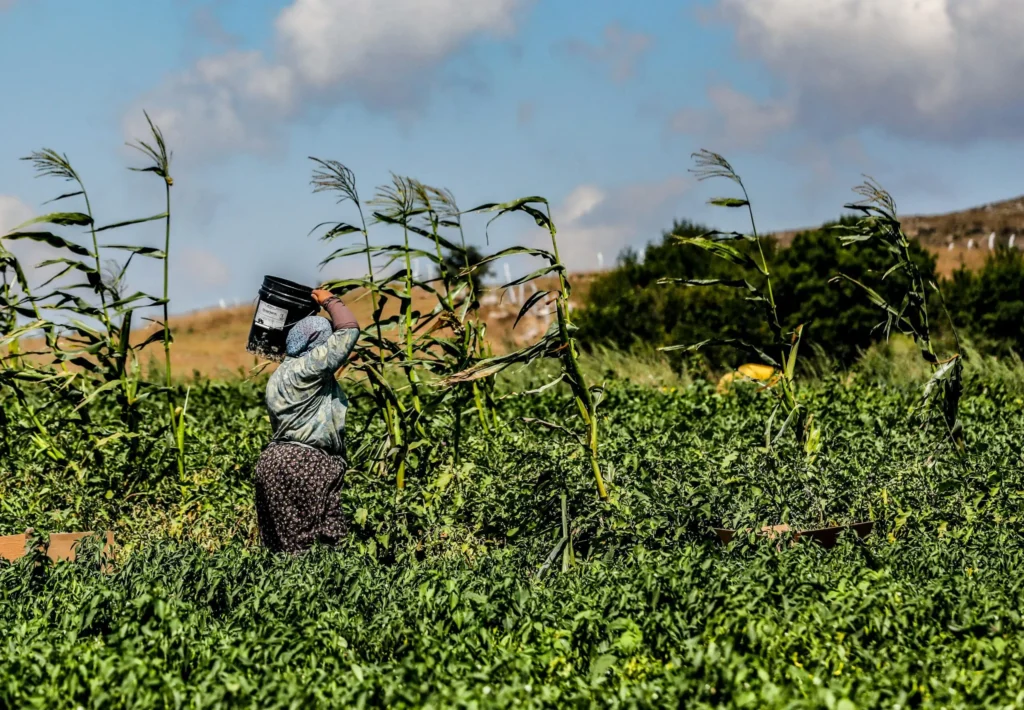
(324, 360)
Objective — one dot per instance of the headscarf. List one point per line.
(307, 334)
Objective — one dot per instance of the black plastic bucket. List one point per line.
(281, 305)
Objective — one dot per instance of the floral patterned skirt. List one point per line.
(297, 501)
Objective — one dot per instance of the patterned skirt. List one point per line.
(297, 501)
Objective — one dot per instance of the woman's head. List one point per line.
(307, 334)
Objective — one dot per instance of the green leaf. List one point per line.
(545, 347)
(155, 336)
(450, 246)
(794, 346)
(152, 252)
(96, 392)
(533, 300)
(601, 666)
(508, 206)
(732, 283)
(874, 297)
(513, 251)
(543, 271)
(722, 251)
(785, 425)
(338, 229)
(138, 295)
(123, 340)
(65, 196)
(63, 219)
(735, 342)
(717, 236)
(942, 373)
(397, 251)
(728, 202)
(523, 204)
(51, 240)
(70, 265)
(118, 225)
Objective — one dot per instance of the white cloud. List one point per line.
(206, 24)
(231, 102)
(950, 70)
(378, 52)
(372, 41)
(13, 212)
(734, 120)
(620, 49)
(593, 219)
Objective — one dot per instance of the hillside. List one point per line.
(958, 238)
(212, 341)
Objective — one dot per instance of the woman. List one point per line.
(298, 476)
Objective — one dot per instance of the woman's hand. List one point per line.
(321, 296)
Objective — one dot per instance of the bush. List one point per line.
(627, 307)
(989, 304)
(628, 304)
(838, 316)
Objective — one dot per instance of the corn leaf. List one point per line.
(63, 219)
(52, 240)
(151, 252)
(338, 229)
(728, 202)
(732, 283)
(532, 301)
(543, 271)
(735, 342)
(722, 251)
(128, 223)
(65, 196)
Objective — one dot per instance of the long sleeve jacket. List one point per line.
(305, 401)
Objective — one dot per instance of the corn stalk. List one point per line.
(91, 334)
(781, 353)
(910, 317)
(335, 177)
(558, 342)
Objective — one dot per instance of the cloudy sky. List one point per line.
(595, 104)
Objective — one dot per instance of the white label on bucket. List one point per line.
(270, 316)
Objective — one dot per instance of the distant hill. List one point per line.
(212, 341)
(959, 237)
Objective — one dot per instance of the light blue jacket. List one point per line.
(306, 403)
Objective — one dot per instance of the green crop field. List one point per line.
(534, 529)
(439, 598)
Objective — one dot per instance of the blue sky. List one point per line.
(596, 105)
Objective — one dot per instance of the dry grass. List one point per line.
(212, 342)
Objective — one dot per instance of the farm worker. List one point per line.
(299, 473)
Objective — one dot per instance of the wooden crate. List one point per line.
(62, 545)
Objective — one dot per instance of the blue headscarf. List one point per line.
(307, 334)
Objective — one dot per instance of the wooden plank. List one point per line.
(12, 546)
(62, 545)
(825, 536)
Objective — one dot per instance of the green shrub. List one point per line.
(838, 317)
(989, 304)
(627, 305)
(628, 308)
